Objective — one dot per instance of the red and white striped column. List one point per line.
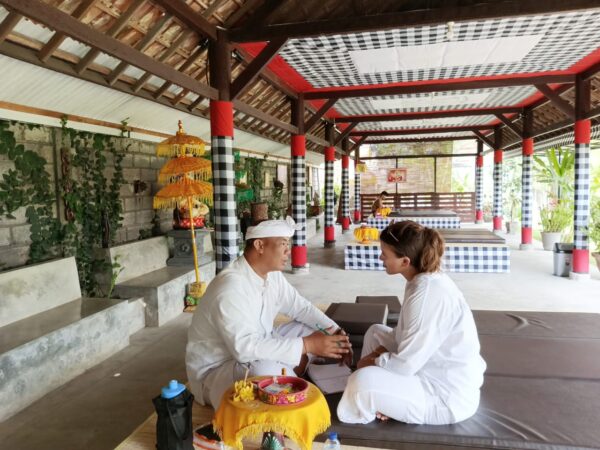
(581, 257)
(345, 194)
(299, 257)
(329, 198)
(527, 195)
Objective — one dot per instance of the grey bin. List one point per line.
(563, 258)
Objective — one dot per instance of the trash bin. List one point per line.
(563, 257)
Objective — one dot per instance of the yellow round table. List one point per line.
(301, 422)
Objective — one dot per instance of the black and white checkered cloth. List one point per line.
(475, 258)
(582, 195)
(357, 193)
(299, 199)
(431, 222)
(326, 61)
(226, 233)
(478, 188)
(457, 258)
(497, 212)
(329, 198)
(345, 192)
(526, 177)
(425, 123)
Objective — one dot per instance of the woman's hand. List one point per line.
(319, 344)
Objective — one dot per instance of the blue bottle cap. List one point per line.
(333, 436)
(172, 390)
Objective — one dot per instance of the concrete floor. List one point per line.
(100, 408)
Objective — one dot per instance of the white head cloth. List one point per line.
(272, 228)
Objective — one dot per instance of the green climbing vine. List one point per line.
(29, 185)
(92, 203)
(255, 177)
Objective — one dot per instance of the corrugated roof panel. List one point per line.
(106, 60)
(75, 47)
(33, 31)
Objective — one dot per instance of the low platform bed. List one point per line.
(541, 390)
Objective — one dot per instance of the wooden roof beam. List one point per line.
(437, 155)
(563, 105)
(428, 115)
(185, 66)
(189, 17)
(256, 66)
(113, 31)
(403, 18)
(58, 38)
(509, 123)
(320, 113)
(419, 88)
(484, 139)
(8, 24)
(344, 133)
(64, 23)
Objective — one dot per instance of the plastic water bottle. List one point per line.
(332, 443)
(174, 422)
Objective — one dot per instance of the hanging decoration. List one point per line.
(185, 176)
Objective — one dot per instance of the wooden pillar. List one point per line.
(221, 130)
(527, 182)
(298, 149)
(581, 257)
(497, 212)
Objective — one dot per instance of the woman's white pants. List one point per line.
(372, 390)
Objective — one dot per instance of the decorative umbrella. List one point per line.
(182, 173)
(181, 144)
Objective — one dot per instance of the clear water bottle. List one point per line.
(332, 443)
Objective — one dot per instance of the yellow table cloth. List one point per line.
(301, 422)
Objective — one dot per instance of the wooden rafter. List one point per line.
(428, 139)
(344, 133)
(8, 24)
(419, 88)
(484, 139)
(256, 66)
(556, 100)
(184, 67)
(320, 113)
(406, 18)
(509, 123)
(113, 31)
(54, 42)
(189, 17)
(263, 12)
(142, 45)
(184, 36)
(437, 155)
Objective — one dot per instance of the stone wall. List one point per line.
(139, 163)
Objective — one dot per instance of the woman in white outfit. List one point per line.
(428, 369)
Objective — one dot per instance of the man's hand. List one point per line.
(319, 344)
(367, 361)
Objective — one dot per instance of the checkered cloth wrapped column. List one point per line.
(299, 200)
(226, 233)
(479, 188)
(582, 196)
(345, 193)
(329, 198)
(527, 192)
(357, 215)
(497, 190)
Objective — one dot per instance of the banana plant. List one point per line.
(556, 168)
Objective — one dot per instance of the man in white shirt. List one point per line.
(232, 328)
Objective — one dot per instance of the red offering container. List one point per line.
(296, 394)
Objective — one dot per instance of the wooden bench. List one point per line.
(49, 334)
(146, 274)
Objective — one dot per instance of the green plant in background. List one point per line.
(594, 229)
(275, 200)
(28, 185)
(512, 190)
(255, 176)
(116, 269)
(556, 217)
(556, 169)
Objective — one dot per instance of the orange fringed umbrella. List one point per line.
(173, 194)
(181, 144)
(198, 168)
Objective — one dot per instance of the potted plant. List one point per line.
(594, 230)
(555, 218)
(513, 204)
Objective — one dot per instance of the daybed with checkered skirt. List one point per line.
(432, 222)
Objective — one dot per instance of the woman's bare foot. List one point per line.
(381, 417)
